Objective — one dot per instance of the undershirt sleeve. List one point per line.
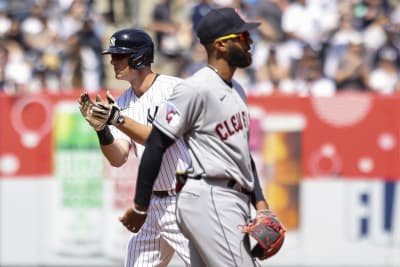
(150, 164)
(258, 194)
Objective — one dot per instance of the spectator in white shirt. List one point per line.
(385, 77)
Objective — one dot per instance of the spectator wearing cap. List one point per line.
(385, 77)
(307, 78)
(165, 29)
(374, 35)
(344, 34)
(270, 13)
(199, 10)
(271, 74)
(42, 50)
(353, 69)
(303, 24)
(392, 32)
(17, 71)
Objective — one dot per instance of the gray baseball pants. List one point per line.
(211, 215)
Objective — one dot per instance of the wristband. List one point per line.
(138, 211)
(105, 136)
(120, 120)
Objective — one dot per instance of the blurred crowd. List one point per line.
(303, 47)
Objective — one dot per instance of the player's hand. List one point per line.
(132, 220)
(85, 106)
(108, 112)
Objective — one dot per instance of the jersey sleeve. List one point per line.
(180, 112)
(124, 102)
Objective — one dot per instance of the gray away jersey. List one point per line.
(143, 110)
(214, 121)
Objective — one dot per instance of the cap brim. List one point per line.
(247, 27)
(116, 50)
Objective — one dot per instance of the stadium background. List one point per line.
(329, 165)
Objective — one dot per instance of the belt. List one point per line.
(236, 186)
(165, 193)
(228, 183)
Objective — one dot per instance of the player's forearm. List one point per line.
(259, 201)
(150, 166)
(137, 131)
(261, 205)
(116, 153)
(258, 194)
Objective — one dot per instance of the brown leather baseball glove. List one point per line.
(269, 233)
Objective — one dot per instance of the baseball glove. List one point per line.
(269, 233)
(86, 106)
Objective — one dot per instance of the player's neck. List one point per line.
(222, 68)
(143, 82)
(225, 76)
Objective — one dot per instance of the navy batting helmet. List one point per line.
(137, 43)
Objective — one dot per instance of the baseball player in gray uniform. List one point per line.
(131, 116)
(209, 111)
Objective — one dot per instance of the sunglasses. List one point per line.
(243, 36)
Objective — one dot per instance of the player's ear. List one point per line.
(220, 46)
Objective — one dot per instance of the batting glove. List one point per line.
(85, 106)
(108, 113)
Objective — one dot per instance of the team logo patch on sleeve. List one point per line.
(173, 116)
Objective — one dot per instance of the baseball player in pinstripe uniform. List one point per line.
(209, 111)
(131, 116)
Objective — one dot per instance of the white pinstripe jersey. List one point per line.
(143, 110)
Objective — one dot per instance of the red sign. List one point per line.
(26, 125)
(350, 135)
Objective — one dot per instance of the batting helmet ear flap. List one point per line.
(143, 57)
(134, 60)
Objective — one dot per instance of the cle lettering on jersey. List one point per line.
(238, 122)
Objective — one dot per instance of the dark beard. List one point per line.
(238, 58)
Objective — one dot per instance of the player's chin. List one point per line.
(119, 76)
(241, 62)
(245, 63)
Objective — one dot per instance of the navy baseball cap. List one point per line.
(221, 22)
